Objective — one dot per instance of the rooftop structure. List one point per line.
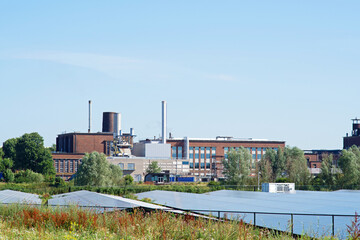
(354, 139)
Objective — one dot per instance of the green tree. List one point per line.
(273, 165)
(128, 180)
(31, 154)
(52, 148)
(5, 163)
(8, 175)
(327, 176)
(116, 175)
(95, 170)
(237, 166)
(265, 170)
(153, 168)
(288, 163)
(9, 148)
(28, 176)
(1, 153)
(349, 163)
(296, 166)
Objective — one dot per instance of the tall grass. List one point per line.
(73, 223)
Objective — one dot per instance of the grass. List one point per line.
(28, 222)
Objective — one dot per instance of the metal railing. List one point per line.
(291, 215)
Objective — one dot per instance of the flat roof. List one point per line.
(79, 133)
(225, 140)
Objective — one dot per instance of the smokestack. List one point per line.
(163, 122)
(117, 124)
(89, 130)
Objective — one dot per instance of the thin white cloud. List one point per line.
(111, 65)
(223, 77)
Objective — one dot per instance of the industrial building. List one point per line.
(197, 157)
(205, 155)
(354, 139)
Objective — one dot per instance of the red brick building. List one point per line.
(315, 157)
(66, 164)
(206, 155)
(83, 142)
(71, 147)
(354, 139)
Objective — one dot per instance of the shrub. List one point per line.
(8, 175)
(59, 182)
(213, 183)
(28, 176)
(128, 180)
(282, 180)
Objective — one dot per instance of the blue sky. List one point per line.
(280, 70)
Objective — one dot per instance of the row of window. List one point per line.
(198, 152)
(257, 153)
(130, 166)
(66, 165)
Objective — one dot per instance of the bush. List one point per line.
(8, 175)
(128, 180)
(28, 176)
(282, 180)
(213, 183)
(59, 182)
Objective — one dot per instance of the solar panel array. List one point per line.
(98, 201)
(307, 202)
(10, 196)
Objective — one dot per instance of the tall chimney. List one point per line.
(163, 122)
(89, 130)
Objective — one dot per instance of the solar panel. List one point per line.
(11, 196)
(99, 201)
(302, 202)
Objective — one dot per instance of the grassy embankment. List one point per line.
(27, 222)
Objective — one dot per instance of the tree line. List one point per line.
(290, 165)
(26, 159)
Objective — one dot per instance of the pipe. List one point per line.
(89, 129)
(163, 122)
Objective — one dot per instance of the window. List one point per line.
(207, 165)
(196, 165)
(121, 165)
(66, 164)
(202, 165)
(185, 163)
(71, 166)
(191, 155)
(76, 165)
(131, 166)
(207, 151)
(56, 165)
(173, 152)
(191, 165)
(61, 166)
(180, 152)
(213, 151)
(226, 149)
(197, 155)
(137, 178)
(202, 156)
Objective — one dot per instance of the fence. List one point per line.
(291, 216)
